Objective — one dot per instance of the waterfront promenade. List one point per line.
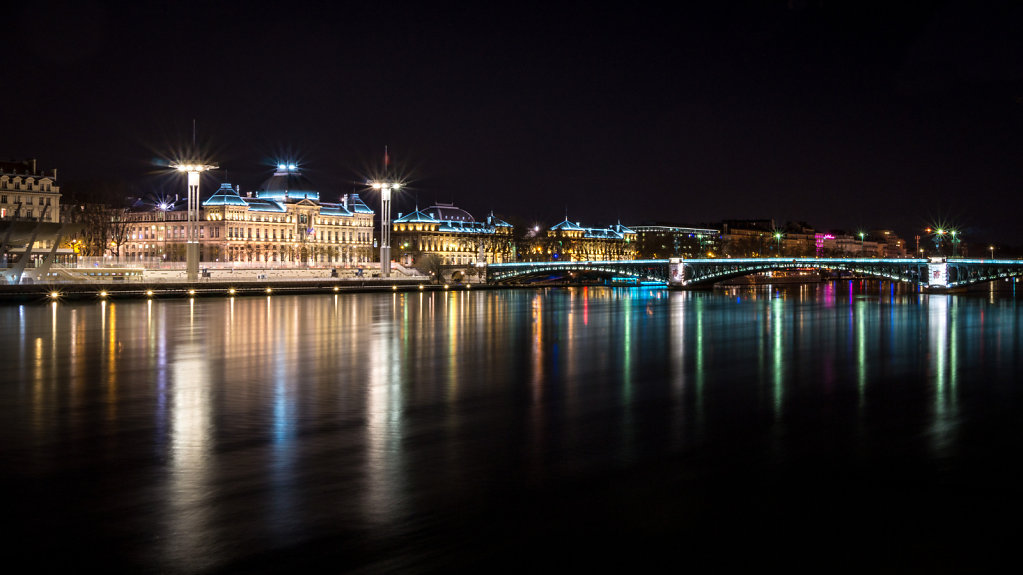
(136, 282)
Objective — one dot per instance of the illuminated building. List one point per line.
(283, 222)
(453, 235)
(661, 240)
(28, 195)
(31, 230)
(570, 241)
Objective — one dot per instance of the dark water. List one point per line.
(841, 427)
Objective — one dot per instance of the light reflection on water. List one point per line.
(382, 431)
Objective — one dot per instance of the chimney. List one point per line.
(33, 164)
(55, 174)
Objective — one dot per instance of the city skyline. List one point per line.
(845, 117)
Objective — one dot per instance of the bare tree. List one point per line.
(120, 228)
(431, 265)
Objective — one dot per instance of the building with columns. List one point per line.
(284, 223)
(570, 241)
(453, 235)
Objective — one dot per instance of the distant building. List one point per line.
(845, 245)
(570, 241)
(27, 194)
(32, 235)
(453, 235)
(894, 246)
(284, 222)
(749, 238)
(664, 240)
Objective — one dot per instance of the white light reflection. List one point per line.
(190, 446)
(385, 467)
(943, 370)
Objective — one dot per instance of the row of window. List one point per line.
(29, 200)
(29, 187)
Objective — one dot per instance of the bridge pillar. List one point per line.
(676, 273)
(937, 274)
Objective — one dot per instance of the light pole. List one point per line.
(385, 187)
(777, 244)
(938, 235)
(992, 248)
(862, 235)
(954, 241)
(192, 222)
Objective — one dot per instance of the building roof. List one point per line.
(497, 222)
(225, 196)
(355, 204)
(615, 232)
(568, 226)
(265, 205)
(417, 217)
(288, 184)
(449, 212)
(335, 210)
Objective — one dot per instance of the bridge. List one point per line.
(933, 274)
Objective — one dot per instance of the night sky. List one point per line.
(845, 115)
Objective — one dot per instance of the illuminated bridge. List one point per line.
(934, 274)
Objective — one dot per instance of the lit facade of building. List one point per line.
(28, 195)
(453, 235)
(283, 223)
(661, 241)
(570, 241)
(31, 230)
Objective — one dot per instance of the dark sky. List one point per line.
(846, 115)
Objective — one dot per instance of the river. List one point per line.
(846, 426)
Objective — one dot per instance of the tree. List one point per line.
(120, 228)
(431, 265)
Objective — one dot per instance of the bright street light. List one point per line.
(385, 187)
(192, 222)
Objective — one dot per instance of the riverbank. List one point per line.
(215, 282)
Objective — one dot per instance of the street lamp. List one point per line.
(938, 235)
(862, 235)
(777, 243)
(385, 187)
(192, 222)
(992, 248)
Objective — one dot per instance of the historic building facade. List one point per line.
(282, 223)
(28, 195)
(452, 235)
(570, 241)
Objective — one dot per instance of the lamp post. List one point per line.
(862, 235)
(938, 235)
(955, 241)
(385, 187)
(192, 222)
(992, 248)
(777, 244)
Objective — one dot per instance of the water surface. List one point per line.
(843, 426)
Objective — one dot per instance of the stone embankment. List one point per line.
(221, 283)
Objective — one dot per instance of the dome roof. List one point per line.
(288, 183)
(440, 211)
